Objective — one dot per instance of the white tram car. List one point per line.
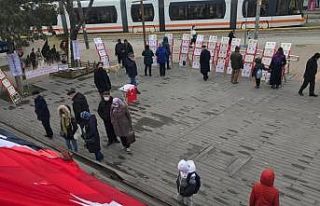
(166, 15)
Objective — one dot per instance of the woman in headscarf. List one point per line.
(68, 126)
(277, 63)
(121, 121)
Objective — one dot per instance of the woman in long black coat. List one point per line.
(205, 62)
(277, 63)
(92, 137)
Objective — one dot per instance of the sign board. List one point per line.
(286, 48)
(14, 64)
(153, 45)
(76, 49)
(212, 48)
(222, 54)
(249, 57)
(42, 71)
(184, 50)
(102, 52)
(268, 52)
(13, 93)
(197, 52)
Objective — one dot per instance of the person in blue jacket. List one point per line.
(162, 55)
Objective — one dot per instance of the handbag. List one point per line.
(131, 138)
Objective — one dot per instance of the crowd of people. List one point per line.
(81, 123)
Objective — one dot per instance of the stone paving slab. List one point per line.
(232, 133)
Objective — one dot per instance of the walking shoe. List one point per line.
(116, 141)
(128, 150)
(138, 92)
(300, 93)
(313, 95)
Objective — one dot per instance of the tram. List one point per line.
(168, 15)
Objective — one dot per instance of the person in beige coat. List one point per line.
(121, 121)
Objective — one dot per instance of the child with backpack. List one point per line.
(188, 182)
(257, 71)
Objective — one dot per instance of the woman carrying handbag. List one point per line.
(122, 123)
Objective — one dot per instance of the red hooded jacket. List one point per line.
(264, 193)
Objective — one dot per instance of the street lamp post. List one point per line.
(142, 20)
(257, 19)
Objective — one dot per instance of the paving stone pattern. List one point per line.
(231, 131)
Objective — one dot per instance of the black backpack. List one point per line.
(198, 182)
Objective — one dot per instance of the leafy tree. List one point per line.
(17, 17)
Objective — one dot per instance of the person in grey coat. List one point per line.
(121, 121)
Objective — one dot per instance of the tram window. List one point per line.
(288, 7)
(99, 15)
(136, 12)
(252, 8)
(197, 10)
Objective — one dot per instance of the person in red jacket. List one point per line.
(264, 193)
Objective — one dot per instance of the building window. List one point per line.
(288, 7)
(191, 10)
(252, 8)
(99, 15)
(136, 12)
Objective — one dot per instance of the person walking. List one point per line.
(231, 36)
(193, 34)
(39, 57)
(166, 45)
(68, 127)
(101, 79)
(205, 62)
(104, 112)
(188, 182)
(264, 193)
(161, 54)
(53, 54)
(257, 71)
(277, 63)
(310, 75)
(131, 70)
(79, 104)
(148, 60)
(92, 137)
(33, 59)
(43, 114)
(236, 65)
(119, 51)
(121, 121)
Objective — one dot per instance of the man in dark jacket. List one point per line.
(92, 137)
(310, 75)
(161, 54)
(236, 64)
(205, 62)
(79, 105)
(101, 79)
(33, 59)
(127, 49)
(43, 113)
(148, 59)
(119, 51)
(104, 113)
(131, 69)
(231, 36)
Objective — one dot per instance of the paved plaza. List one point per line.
(231, 131)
